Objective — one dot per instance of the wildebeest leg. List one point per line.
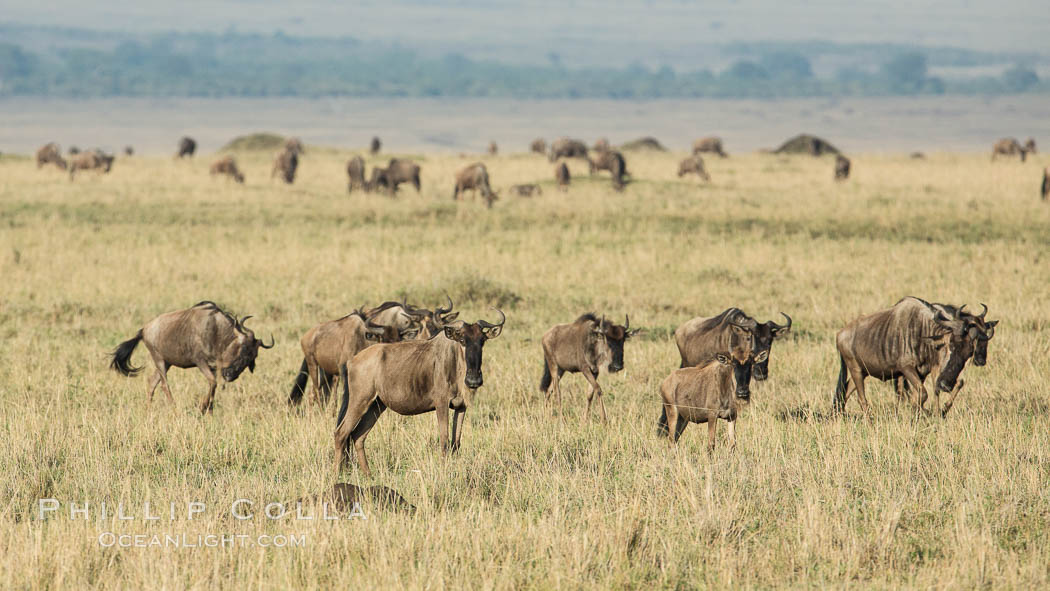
(732, 433)
(355, 414)
(208, 402)
(596, 390)
(457, 427)
(919, 397)
(857, 374)
(441, 411)
(951, 398)
(672, 422)
(314, 371)
(162, 369)
(154, 382)
(360, 432)
(712, 431)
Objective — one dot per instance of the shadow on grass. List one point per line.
(808, 414)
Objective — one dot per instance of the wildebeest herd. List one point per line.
(415, 360)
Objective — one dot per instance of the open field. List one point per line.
(805, 500)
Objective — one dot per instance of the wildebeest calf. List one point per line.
(716, 390)
(204, 336)
(842, 165)
(227, 165)
(693, 165)
(583, 346)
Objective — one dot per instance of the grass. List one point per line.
(531, 501)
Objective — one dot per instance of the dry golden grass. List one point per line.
(530, 501)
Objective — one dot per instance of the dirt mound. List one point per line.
(644, 143)
(807, 144)
(255, 141)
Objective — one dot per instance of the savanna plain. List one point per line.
(532, 499)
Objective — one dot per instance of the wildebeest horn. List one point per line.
(788, 325)
(626, 322)
(240, 323)
(503, 320)
(983, 312)
(264, 345)
(442, 311)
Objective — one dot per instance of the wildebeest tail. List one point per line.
(545, 381)
(299, 388)
(345, 379)
(841, 386)
(661, 423)
(122, 356)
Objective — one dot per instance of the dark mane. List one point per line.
(210, 305)
(588, 317)
(382, 307)
(722, 318)
(924, 302)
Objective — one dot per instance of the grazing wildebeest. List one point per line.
(397, 171)
(343, 497)
(373, 148)
(562, 176)
(129, 151)
(73, 150)
(92, 160)
(227, 165)
(285, 162)
(1029, 145)
(842, 165)
(474, 177)
(294, 144)
(355, 170)
(567, 148)
(583, 346)
(1044, 190)
(1009, 146)
(411, 378)
(527, 190)
(719, 389)
(612, 161)
(327, 346)
(693, 165)
(700, 339)
(50, 154)
(539, 146)
(912, 339)
(602, 145)
(187, 146)
(493, 148)
(917, 156)
(204, 336)
(709, 144)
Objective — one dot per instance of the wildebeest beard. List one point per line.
(246, 359)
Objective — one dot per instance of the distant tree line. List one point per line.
(204, 65)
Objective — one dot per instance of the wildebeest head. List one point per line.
(434, 321)
(743, 359)
(960, 336)
(242, 351)
(1029, 146)
(986, 330)
(472, 337)
(764, 334)
(613, 336)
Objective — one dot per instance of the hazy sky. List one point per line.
(522, 30)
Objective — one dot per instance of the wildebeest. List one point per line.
(602, 145)
(526, 190)
(396, 172)
(709, 144)
(700, 339)
(567, 148)
(538, 145)
(327, 346)
(1044, 189)
(355, 171)
(693, 165)
(917, 156)
(285, 162)
(373, 147)
(1009, 146)
(91, 160)
(187, 146)
(50, 154)
(842, 165)
(493, 148)
(583, 346)
(129, 151)
(719, 389)
(562, 176)
(912, 339)
(343, 497)
(294, 144)
(411, 378)
(227, 165)
(204, 336)
(474, 177)
(405, 316)
(73, 150)
(1029, 145)
(612, 161)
